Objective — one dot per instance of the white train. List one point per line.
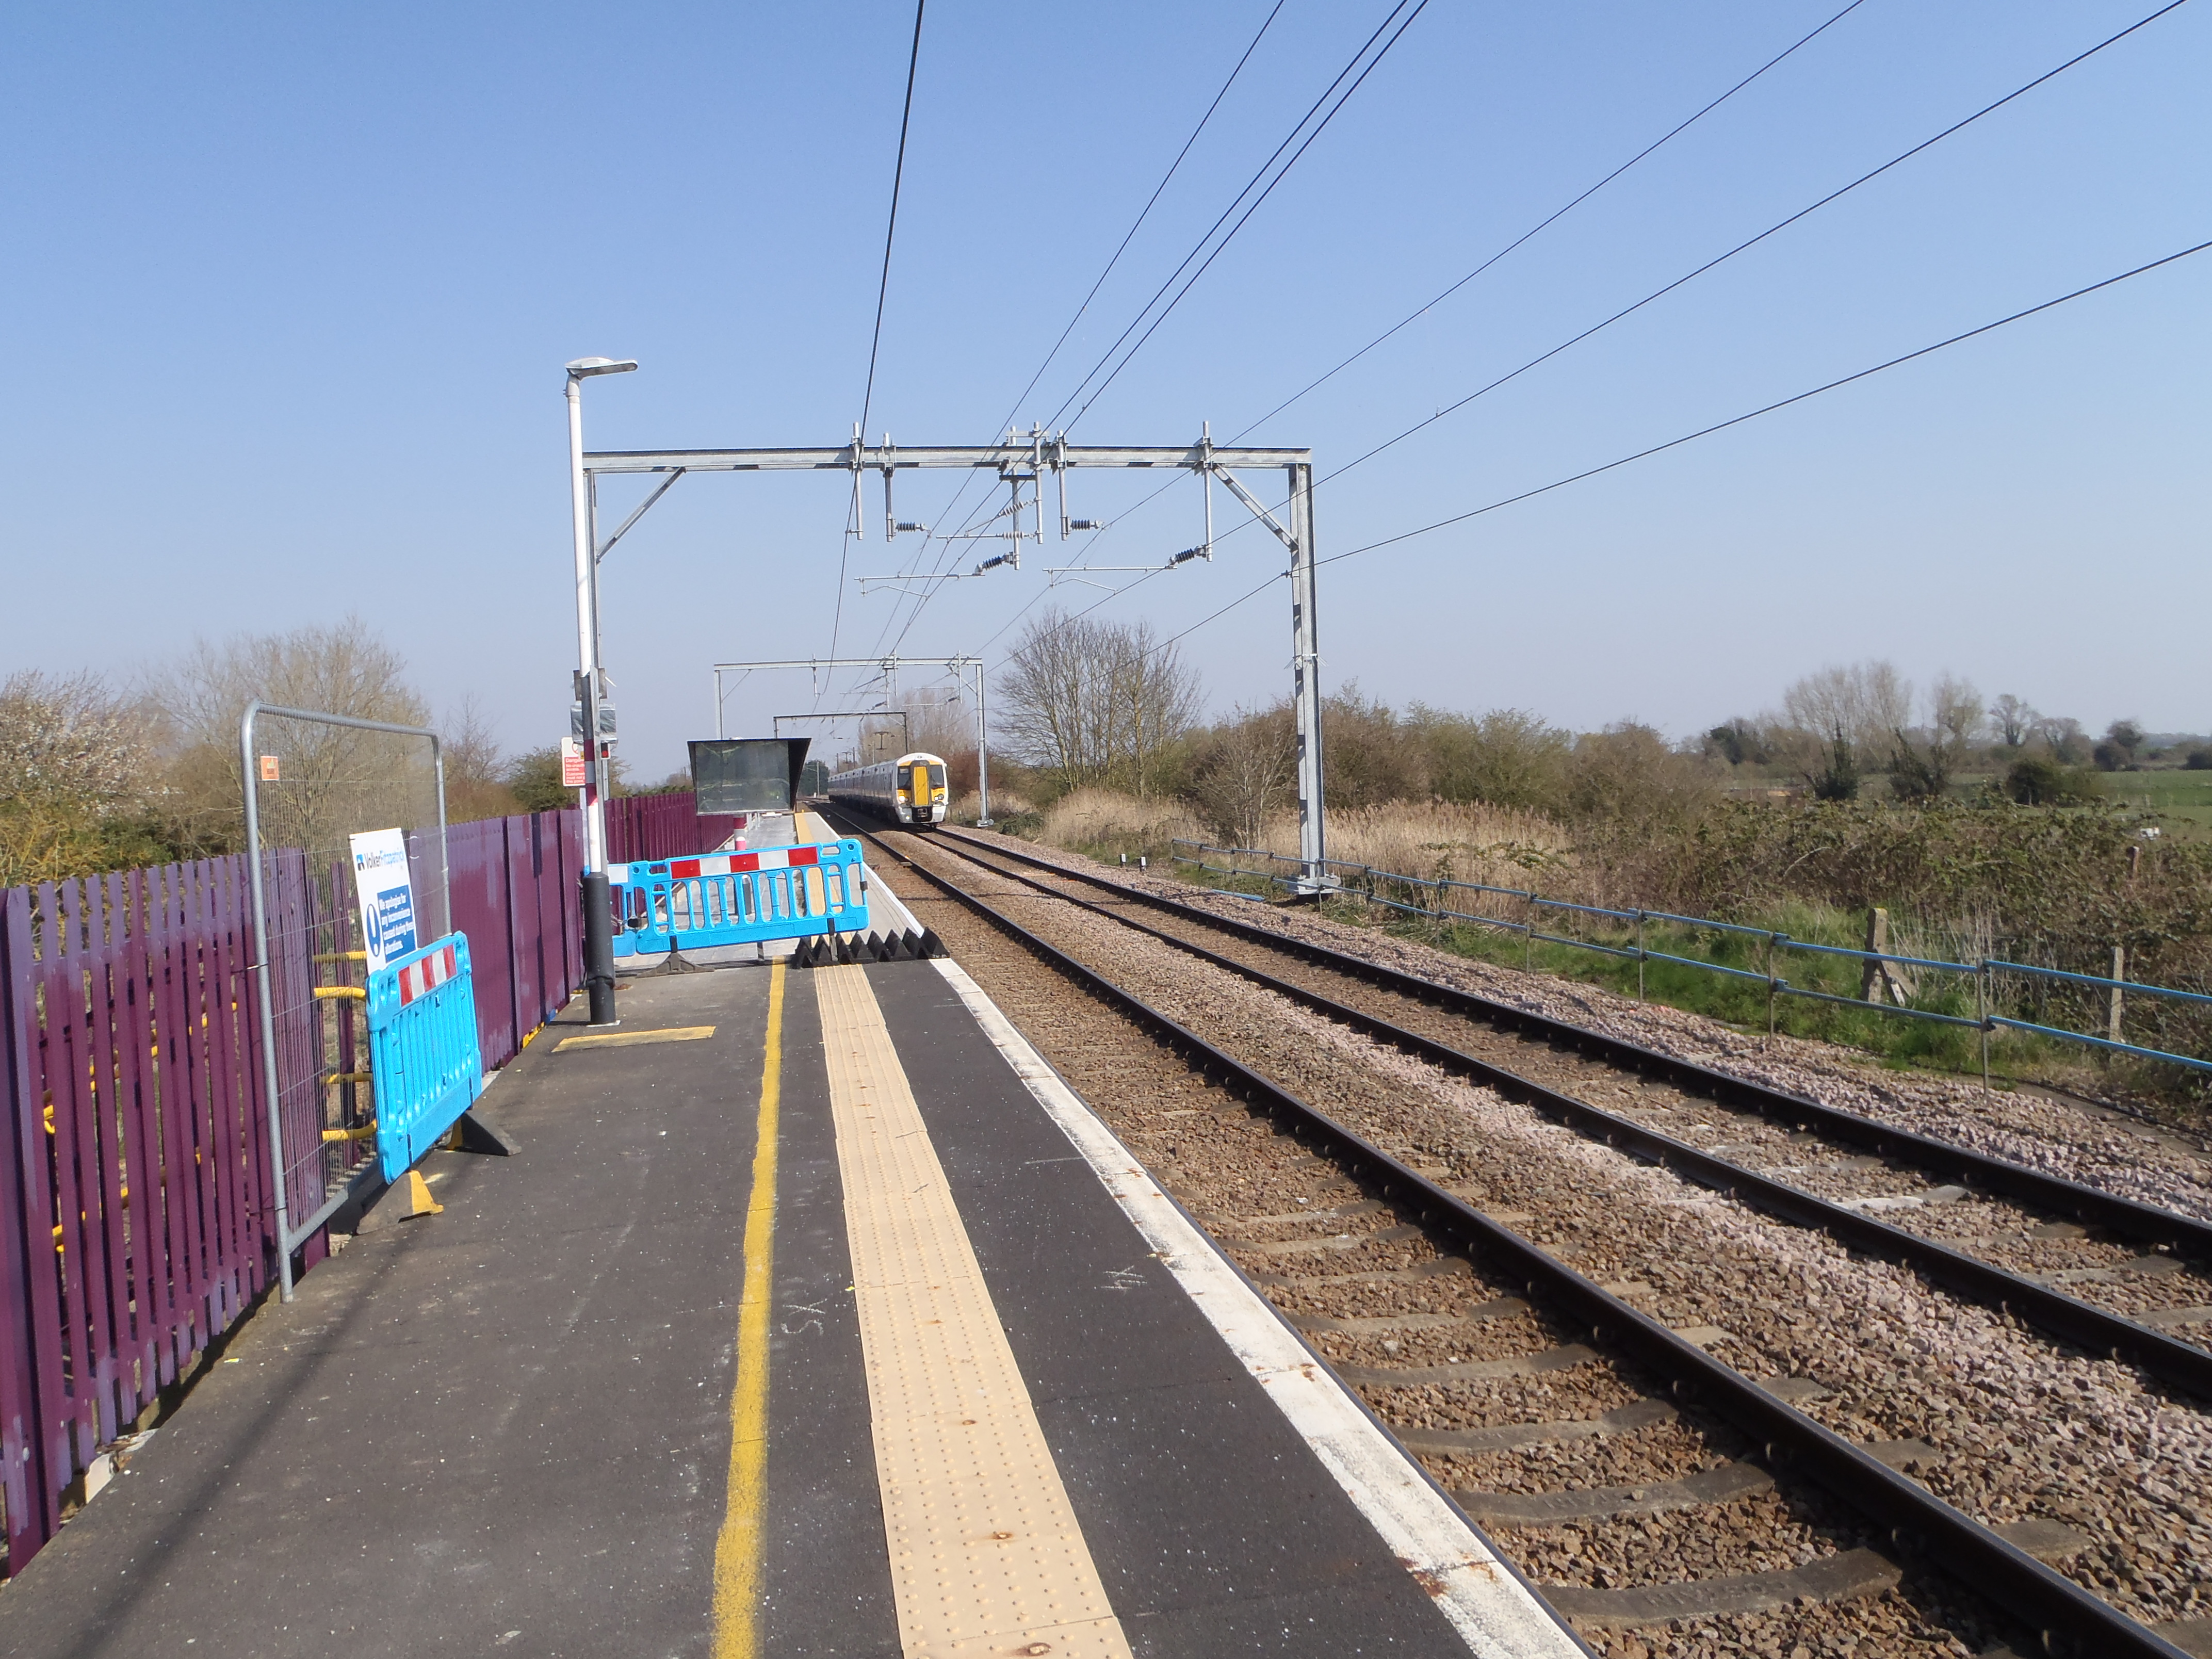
(909, 790)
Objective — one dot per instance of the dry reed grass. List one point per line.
(1500, 847)
(1497, 846)
(1106, 817)
(1004, 804)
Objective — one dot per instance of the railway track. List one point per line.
(1530, 1338)
(2014, 1238)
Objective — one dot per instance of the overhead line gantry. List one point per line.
(1021, 460)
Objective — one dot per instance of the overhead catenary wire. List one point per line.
(1354, 63)
(1700, 270)
(1150, 203)
(1750, 242)
(922, 599)
(1557, 214)
(876, 339)
(1529, 235)
(1718, 260)
(1281, 173)
(1706, 431)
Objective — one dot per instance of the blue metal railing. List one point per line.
(1368, 883)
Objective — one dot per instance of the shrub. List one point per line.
(534, 776)
(1373, 755)
(1626, 780)
(76, 758)
(2040, 781)
(1837, 777)
(1507, 757)
(2200, 760)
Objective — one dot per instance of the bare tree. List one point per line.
(475, 770)
(1157, 696)
(2062, 735)
(2016, 719)
(332, 780)
(1834, 719)
(939, 721)
(1048, 688)
(1865, 702)
(1246, 773)
(1097, 701)
(1924, 763)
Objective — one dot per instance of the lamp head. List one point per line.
(586, 366)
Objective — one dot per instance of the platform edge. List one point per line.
(1494, 1610)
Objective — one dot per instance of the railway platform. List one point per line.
(813, 1315)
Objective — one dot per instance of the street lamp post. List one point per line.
(597, 903)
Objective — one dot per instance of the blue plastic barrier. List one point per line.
(423, 1049)
(738, 898)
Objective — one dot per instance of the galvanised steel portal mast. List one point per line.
(1025, 460)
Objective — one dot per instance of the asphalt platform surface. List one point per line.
(505, 1428)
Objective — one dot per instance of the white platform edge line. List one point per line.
(1493, 1612)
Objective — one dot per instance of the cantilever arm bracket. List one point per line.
(1252, 502)
(607, 546)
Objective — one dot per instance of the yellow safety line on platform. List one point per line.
(737, 1550)
(627, 1039)
(986, 1554)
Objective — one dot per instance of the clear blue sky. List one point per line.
(290, 289)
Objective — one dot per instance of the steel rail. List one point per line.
(2146, 1223)
(1914, 1519)
(2098, 1330)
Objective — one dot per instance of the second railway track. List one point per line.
(2015, 1239)
(1698, 1429)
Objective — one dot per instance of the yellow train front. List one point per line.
(910, 790)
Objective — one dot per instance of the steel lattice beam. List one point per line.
(999, 457)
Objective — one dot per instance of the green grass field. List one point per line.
(2182, 798)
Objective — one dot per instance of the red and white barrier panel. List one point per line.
(731, 863)
(419, 979)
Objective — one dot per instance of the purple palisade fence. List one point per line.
(515, 895)
(136, 1170)
(136, 1218)
(644, 826)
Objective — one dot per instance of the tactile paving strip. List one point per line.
(985, 1554)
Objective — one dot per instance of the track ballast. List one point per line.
(1524, 1383)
